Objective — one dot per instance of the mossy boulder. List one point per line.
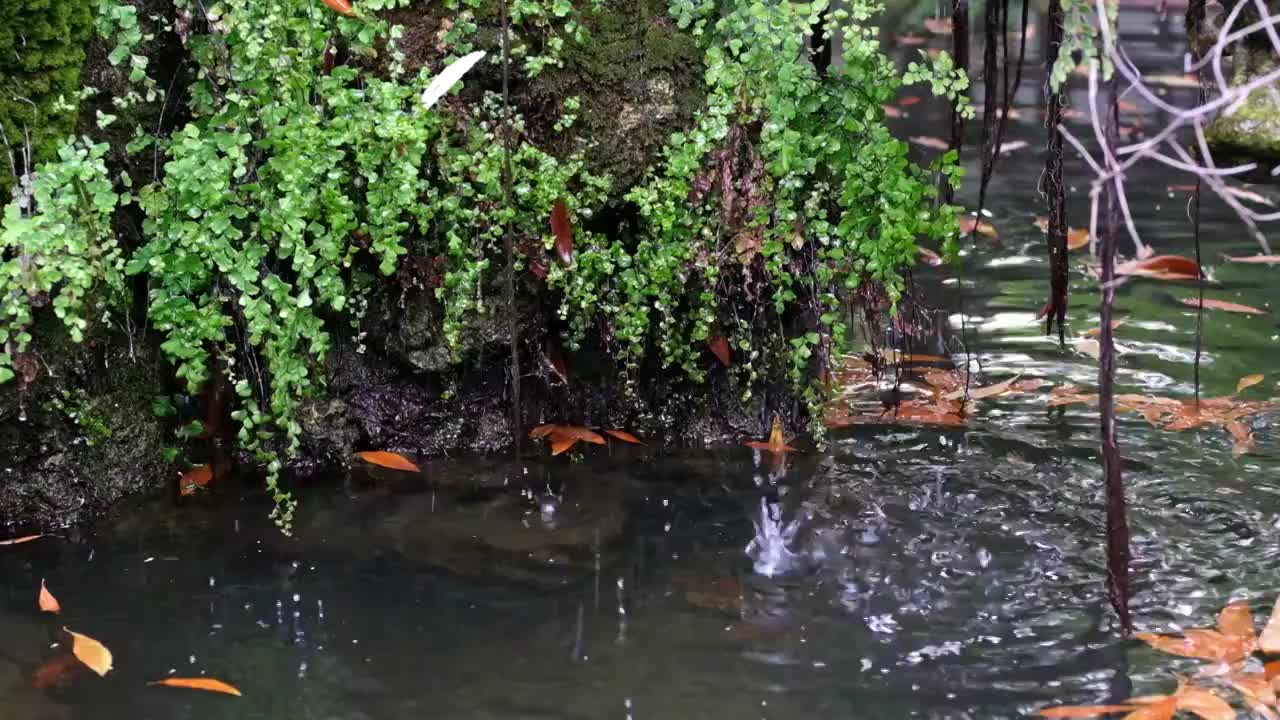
(41, 52)
(77, 433)
(1250, 131)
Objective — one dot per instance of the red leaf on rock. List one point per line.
(719, 346)
(562, 229)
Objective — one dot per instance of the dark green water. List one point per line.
(932, 574)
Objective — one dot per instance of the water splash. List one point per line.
(769, 548)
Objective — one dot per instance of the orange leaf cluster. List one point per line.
(1230, 644)
(197, 477)
(1228, 413)
(564, 437)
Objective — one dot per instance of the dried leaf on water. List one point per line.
(196, 477)
(719, 346)
(48, 603)
(1077, 238)
(1255, 688)
(341, 6)
(562, 229)
(564, 437)
(1256, 259)
(929, 257)
(1236, 620)
(971, 223)
(206, 684)
(625, 436)
(92, 653)
(1204, 703)
(21, 540)
(1222, 305)
(1202, 644)
(1161, 267)
(562, 443)
(776, 443)
(394, 461)
(1249, 381)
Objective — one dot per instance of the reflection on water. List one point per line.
(906, 572)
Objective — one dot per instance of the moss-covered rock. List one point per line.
(1252, 130)
(41, 52)
(639, 78)
(77, 434)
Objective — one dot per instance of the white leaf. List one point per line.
(449, 77)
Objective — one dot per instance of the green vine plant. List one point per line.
(790, 191)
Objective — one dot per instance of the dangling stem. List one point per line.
(1117, 513)
(1055, 190)
(513, 328)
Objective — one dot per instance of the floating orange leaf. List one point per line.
(1201, 644)
(21, 540)
(1084, 711)
(341, 6)
(562, 229)
(1269, 640)
(92, 653)
(561, 443)
(719, 346)
(776, 443)
(1161, 267)
(1257, 259)
(625, 436)
(1223, 305)
(541, 431)
(1249, 381)
(1204, 703)
(1236, 620)
(48, 603)
(394, 461)
(1271, 670)
(206, 684)
(1077, 238)
(195, 477)
(929, 257)
(971, 223)
(1256, 689)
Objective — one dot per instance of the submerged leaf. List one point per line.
(1204, 703)
(206, 684)
(1223, 305)
(1201, 644)
(1256, 259)
(199, 476)
(562, 229)
(1249, 381)
(394, 461)
(92, 653)
(48, 603)
(971, 223)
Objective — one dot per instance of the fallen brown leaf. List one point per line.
(394, 461)
(719, 346)
(1222, 305)
(196, 477)
(625, 436)
(1084, 711)
(1256, 259)
(92, 653)
(1161, 267)
(1202, 644)
(971, 223)
(206, 684)
(48, 603)
(1269, 640)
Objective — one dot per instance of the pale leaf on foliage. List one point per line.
(448, 77)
